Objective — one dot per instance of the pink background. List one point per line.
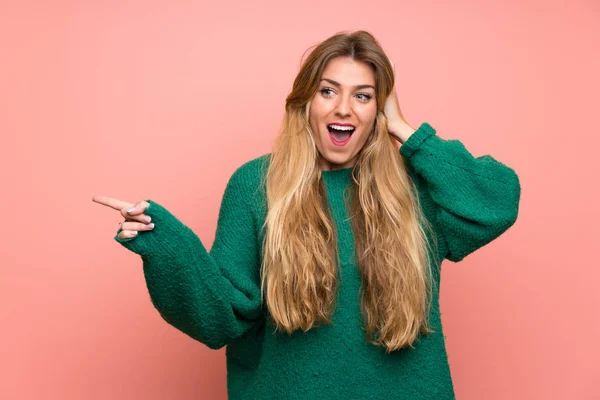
(164, 100)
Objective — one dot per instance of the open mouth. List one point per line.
(340, 134)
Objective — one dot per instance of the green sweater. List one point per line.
(214, 296)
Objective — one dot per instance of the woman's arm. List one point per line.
(214, 297)
(476, 199)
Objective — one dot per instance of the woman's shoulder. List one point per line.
(255, 165)
(249, 178)
(254, 169)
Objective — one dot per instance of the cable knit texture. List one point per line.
(214, 296)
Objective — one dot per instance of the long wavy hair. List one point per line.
(300, 253)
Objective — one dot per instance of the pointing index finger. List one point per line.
(111, 202)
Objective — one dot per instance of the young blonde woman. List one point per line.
(323, 278)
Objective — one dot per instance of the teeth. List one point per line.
(341, 128)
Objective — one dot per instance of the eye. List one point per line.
(323, 91)
(366, 97)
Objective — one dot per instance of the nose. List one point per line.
(343, 107)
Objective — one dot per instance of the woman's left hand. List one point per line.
(396, 124)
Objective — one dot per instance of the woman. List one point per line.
(323, 279)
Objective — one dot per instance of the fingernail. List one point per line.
(132, 209)
(134, 233)
(147, 219)
(151, 226)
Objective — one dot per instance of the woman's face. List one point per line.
(346, 96)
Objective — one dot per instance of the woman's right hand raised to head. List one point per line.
(135, 219)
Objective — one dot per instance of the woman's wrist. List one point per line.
(401, 131)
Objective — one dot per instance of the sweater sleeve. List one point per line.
(475, 199)
(213, 297)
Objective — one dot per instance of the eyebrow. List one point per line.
(356, 87)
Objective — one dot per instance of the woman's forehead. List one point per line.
(348, 73)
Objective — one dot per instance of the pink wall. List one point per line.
(163, 100)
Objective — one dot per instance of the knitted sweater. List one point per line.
(214, 296)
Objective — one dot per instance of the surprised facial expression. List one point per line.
(343, 112)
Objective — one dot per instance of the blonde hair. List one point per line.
(300, 253)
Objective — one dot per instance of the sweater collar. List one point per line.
(337, 179)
